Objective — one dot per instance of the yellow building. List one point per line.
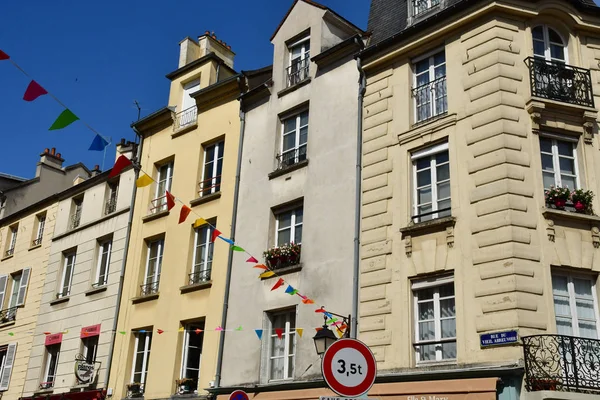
(175, 276)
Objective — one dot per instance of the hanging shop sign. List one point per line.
(85, 371)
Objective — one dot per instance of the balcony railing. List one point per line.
(291, 157)
(562, 363)
(46, 385)
(63, 293)
(110, 206)
(149, 288)
(185, 118)
(210, 185)
(561, 82)
(431, 99)
(422, 6)
(36, 242)
(298, 71)
(8, 315)
(75, 220)
(159, 204)
(199, 276)
(10, 252)
(442, 212)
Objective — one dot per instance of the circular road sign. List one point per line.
(238, 395)
(349, 368)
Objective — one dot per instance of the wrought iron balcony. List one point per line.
(75, 220)
(209, 186)
(431, 99)
(199, 276)
(562, 363)
(8, 315)
(185, 118)
(298, 71)
(159, 204)
(10, 252)
(110, 206)
(36, 242)
(291, 157)
(149, 288)
(422, 6)
(561, 82)
(46, 385)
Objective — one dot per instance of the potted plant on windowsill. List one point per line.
(134, 389)
(185, 385)
(283, 256)
(582, 201)
(557, 197)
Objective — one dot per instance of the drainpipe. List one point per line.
(122, 276)
(361, 92)
(230, 258)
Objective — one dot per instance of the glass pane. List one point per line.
(289, 141)
(304, 118)
(299, 215)
(290, 366)
(221, 149)
(548, 178)
(538, 32)
(424, 195)
(565, 148)
(139, 359)
(553, 36)
(422, 66)
(583, 288)
(447, 290)
(442, 205)
(427, 352)
(564, 326)
(277, 347)
(561, 306)
(425, 210)
(298, 234)
(277, 368)
(557, 52)
(545, 145)
(285, 219)
(547, 164)
(283, 237)
(443, 172)
(303, 135)
(559, 284)
(426, 330)
(585, 309)
(449, 350)
(425, 310)
(424, 178)
(448, 328)
(440, 71)
(423, 163)
(425, 294)
(539, 48)
(290, 339)
(443, 190)
(447, 308)
(278, 321)
(588, 330)
(568, 181)
(439, 58)
(193, 357)
(289, 125)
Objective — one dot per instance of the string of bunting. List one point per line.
(67, 117)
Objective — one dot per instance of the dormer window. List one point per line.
(299, 61)
(421, 6)
(187, 116)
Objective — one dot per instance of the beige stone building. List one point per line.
(74, 335)
(175, 275)
(472, 109)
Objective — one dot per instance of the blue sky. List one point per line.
(97, 57)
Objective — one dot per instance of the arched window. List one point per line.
(548, 44)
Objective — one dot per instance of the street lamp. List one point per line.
(325, 337)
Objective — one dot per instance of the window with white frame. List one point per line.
(41, 224)
(153, 267)
(20, 280)
(548, 44)
(212, 168)
(294, 139)
(90, 348)
(111, 197)
(203, 254)
(576, 305)
(141, 358)
(299, 61)
(101, 276)
(66, 277)
(76, 208)
(192, 352)
(435, 319)
(429, 86)
(431, 183)
(14, 230)
(288, 226)
(7, 360)
(164, 179)
(50, 366)
(282, 344)
(421, 6)
(559, 162)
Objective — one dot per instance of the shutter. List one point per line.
(8, 366)
(23, 288)
(3, 281)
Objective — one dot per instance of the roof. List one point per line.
(12, 177)
(188, 67)
(315, 4)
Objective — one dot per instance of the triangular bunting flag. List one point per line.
(143, 181)
(320, 310)
(159, 331)
(289, 289)
(47, 333)
(215, 234)
(199, 222)
(300, 331)
(308, 301)
(142, 331)
(266, 274)
(279, 333)
(302, 296)
(65, 332)
(183, 214)
(122, 332)
(33, 91)
(120, 164)
(328, 315)
(318, 329)
(3, 56)
(226, 240)
(277, 285)
(218, 328)
(181, 329)
(170, 200)
(332, 320)
(237, 248)
(10, 333)
(98, 144)
(252, 260)
(65, 119)
(239, 328)
(198, 331)
(259, 333)
(261, 266)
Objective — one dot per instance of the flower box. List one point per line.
(186, 385)
(134, 390)
(283, 256)
(578, 200)
(543, 384)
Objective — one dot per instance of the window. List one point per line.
(101, 277)
(52, 354)
(288, 226)
(429, 91)
(420, 6)
(76, 212)
(111, 201)
(153, 267)
(575, 306)
(90, 348)
(141, 358)
(548, 44)
(294, 138)
(188, 114)
(165, 178)
(192, 352)
(431, 183)
(282, 350)
(17, 293)
(299, 61)
(559, 162)
(7, 359)
(67, 275)
(212, 169)
(14, 230)
(435, 320)
(203, 254)
(41, 224)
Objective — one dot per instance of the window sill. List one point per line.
(284, 271)
(184, 130)
(293, 88)
(59, 301)
(434, 225)
(195, 286)
(205, 199)
(7, 257)
(96, 290)
(429, 364)
(7, 324)
(284, 171)
(154, 216)
(143, 299)
(427, 127)
(550, 213)
(43, 391)
(430, 120)
(37, 246)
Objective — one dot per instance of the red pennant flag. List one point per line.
(198, 331)
(308, 301)
(170, 200)
(159, 331)
(261, 266)
(215, 234)
(33, 91)
(47, 333)
(3, 56)
(321, 310)
(252, 260)
(279, 333)
(120, 164)
(185, 211)
(279, 283)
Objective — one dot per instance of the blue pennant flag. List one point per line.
(226, 240)
(259, 333)
(289, 290)
(98, 144)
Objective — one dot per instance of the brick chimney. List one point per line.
(209, 43)
(126, 148)
(49, 158)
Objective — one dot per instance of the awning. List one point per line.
(87, 395)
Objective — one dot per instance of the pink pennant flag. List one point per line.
(33, 91)
(252, 260)
(218, 328)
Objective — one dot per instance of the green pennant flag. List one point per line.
(237, 248)
(11, 334)
(122, 332)
(65, 119)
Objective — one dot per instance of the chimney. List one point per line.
(49, 158)
(188, 51)
(208, 43)
(126, 148)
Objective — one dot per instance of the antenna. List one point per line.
(138, 107)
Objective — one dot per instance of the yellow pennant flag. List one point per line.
(266, 274)
(300, 331)
(181, 329)
(143, 181)
(199, 222)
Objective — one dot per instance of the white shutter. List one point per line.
(8, 366)
(3, 281)
(23, 288)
